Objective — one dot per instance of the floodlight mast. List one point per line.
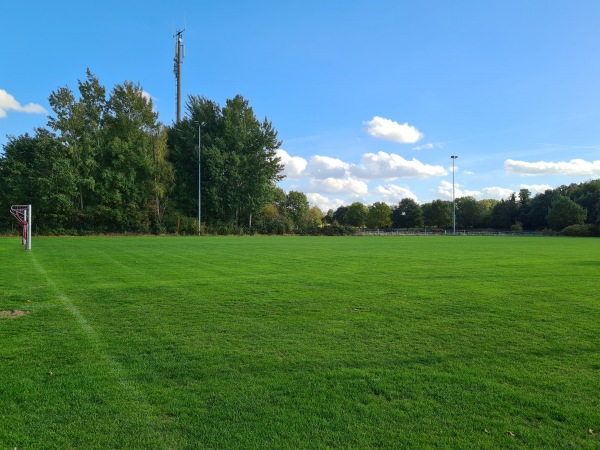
(200, 177)
(453, 198)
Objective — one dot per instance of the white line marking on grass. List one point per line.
(115, 367)
(66, 301)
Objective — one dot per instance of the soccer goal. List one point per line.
(23, 215)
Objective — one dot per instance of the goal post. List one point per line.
(23, 214)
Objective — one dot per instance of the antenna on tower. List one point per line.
(179, 53)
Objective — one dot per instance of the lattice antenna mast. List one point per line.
(178, 60)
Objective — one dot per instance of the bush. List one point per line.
(336, 229)
(584, 230)
(272, 225)
(517, 226)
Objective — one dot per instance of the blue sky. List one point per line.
(370, 98)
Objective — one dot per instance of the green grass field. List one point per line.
(300, 342)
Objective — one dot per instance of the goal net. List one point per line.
(23, 214)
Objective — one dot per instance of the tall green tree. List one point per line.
(487, 206)
(251, 147)
(408, 214)
(356, 215)
(468, 212)
(79, 124)
(538, 209)
(118, 154)
(379, 216)
(238, 161)
(163, 177)
(273, 218)
(339, 215)
(297, 208)
(36, 170)
(564, 212)
(505, 212)
(314, 217)
(438, 214)
(126, 185)
(329, 218)
(587, 195)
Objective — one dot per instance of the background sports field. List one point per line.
(297, 342)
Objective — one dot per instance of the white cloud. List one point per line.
(147, 96)
(389, 130)
(9, 103)
(575, 167)
(456, 168)
(348, 186)
(423, 147)
(390, 166)
(444, 192)
(496, 193)
(393, 194)
(428, 146)
(293, 166)
(536, 188)
(322, 167)
(324, 203)
(150, 98)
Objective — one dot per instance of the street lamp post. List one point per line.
(453, 198)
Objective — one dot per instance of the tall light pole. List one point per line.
(199, 178)
(453, 198)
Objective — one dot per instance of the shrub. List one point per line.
(584, 230)
(336, 229)
(517, 226)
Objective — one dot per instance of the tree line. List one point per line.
(105, 164)
(574, 209)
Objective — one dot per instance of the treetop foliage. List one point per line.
(106, 164)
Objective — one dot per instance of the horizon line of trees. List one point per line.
(576, 206)
(105, 164)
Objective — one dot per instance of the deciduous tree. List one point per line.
(468, 212)
(339, 215)
(379, 216)
(356, 215)
(438, 214)
(238, 161)
(79, 124)
(408, 214)
(564, 212)
(297, 208)
(36, 170)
